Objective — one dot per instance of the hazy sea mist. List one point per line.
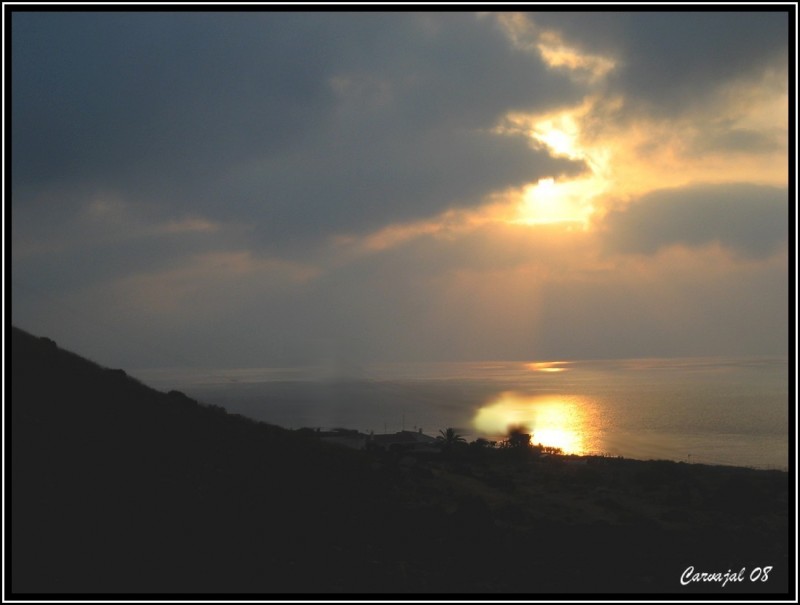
(709, 410)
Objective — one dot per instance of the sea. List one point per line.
(729, 411)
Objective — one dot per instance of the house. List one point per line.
(412, 442)
(345, 438)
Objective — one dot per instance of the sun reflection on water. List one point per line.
(547, 366)
(564, 422)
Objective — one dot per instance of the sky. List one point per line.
(257, 189)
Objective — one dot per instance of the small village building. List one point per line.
(409, 442)
(345, 438)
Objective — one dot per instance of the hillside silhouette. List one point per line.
(117, 488)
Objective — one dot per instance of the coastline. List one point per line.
(712, 411)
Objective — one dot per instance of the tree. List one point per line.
(449, 438)
(482, 444)
(517, 438)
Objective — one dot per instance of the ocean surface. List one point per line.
(701, 410)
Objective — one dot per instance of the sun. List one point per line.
(546, 202)
(565, 200)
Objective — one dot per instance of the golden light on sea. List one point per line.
(548, 366)
(558, 421)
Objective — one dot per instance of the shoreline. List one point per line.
(591, 456)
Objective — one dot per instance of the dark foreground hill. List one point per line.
(117, 488)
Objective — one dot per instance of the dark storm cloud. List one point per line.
(110, 97)
(725, 138)
(307, 123)
(750, 220)
(672, 60)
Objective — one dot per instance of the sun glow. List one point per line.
(549, 201)
(560, 134)
(561, 422)
(569, 200)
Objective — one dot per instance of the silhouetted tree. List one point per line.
(448, 438)
(482, 444)
(517, 438)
